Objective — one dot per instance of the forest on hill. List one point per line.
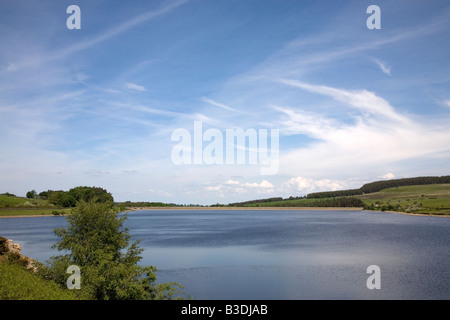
(377, 186)
(345, 196)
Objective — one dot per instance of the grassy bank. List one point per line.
(17, 283)
(32, 212)
(20, 281)
(18, 206)
(422, 199)
(431, 199)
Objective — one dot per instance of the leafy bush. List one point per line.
(96, 241)
(7, 194)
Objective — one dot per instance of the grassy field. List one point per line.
(431, 199)
(32, 212)
(18, 206)
(19, 202)
(424, 199)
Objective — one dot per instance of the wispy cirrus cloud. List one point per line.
(89, 111)
(134, 86)
(362, 100)
(445, 103)
(95, 40)
(383, 66)
(217, 104)
(378, 135)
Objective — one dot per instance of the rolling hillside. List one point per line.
(421, 195)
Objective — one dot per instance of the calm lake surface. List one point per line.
(233, 254)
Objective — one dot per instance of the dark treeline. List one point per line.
(384, 184)
(345, 202)
(337, 202)
(70, 198)
(141, 204)
(279, 202)
(242, 204)
(332, 194)
(380, 185)
(7, 194)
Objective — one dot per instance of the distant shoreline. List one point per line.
(204, 208)
(33, 216)
(420, 214)
(281, 208)
(244, 209)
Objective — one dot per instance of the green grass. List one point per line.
(32, 212)
(17, 283)
(19, 206)
(19, 202)
(423, 199)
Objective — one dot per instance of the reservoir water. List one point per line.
(278, 254)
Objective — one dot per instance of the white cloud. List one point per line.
(11, 67)
(110, 32)
(264, 185)
(388, 176)
(231, 187)
(232, 182)
(133, 86)
(214, 188)
(160, 193)
(363, 100)
(372, 134)
(96, 173)
(377, 136)
(307, 123)
(383, 66)
(308, 185)
(445, 103)
(217, 104)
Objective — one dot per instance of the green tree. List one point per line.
(89, 193)
(61, 198)
(43, 195)
(32, 194)
(96, 241)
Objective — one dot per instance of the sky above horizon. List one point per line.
(97, 106)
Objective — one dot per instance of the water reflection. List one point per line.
(297, 255)
(278, 254)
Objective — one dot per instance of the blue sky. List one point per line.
(97, 106)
